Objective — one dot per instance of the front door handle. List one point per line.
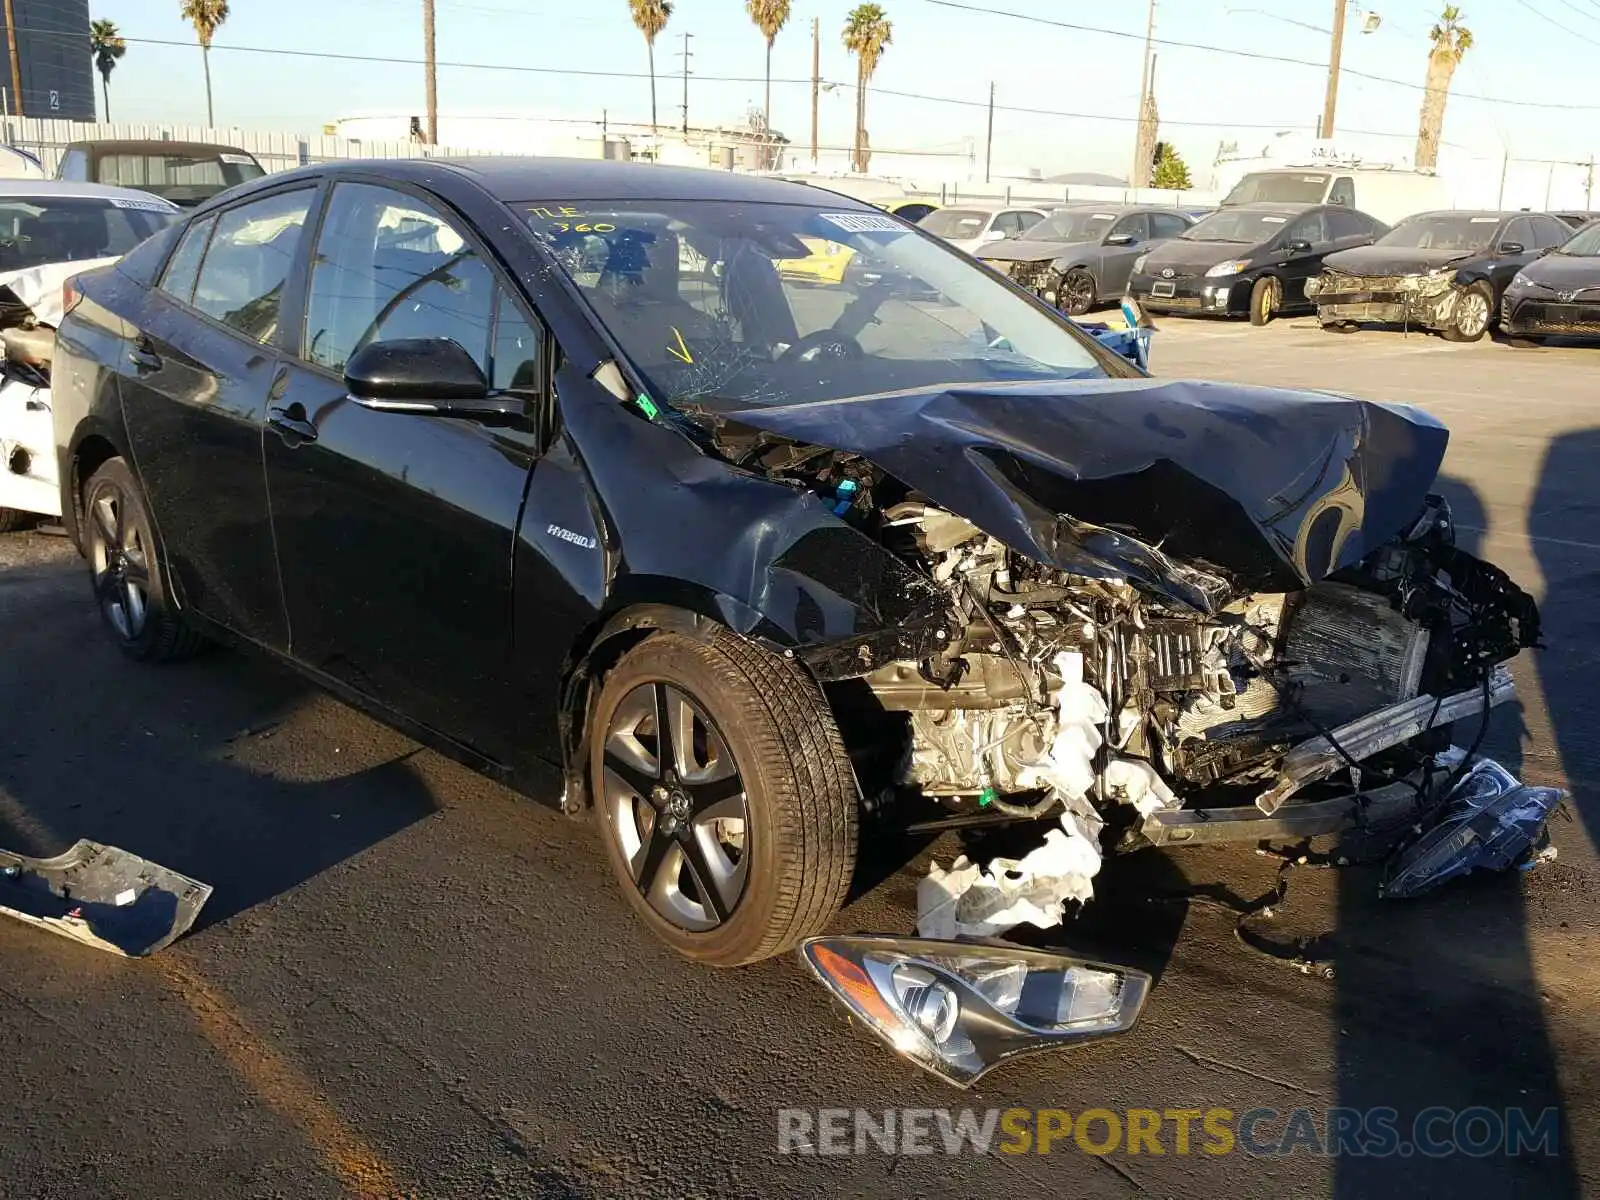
(291, 424)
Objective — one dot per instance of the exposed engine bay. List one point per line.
(1050, 688)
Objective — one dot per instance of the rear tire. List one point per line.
(14, 520)
(1266, 298)
(1474, 312)
(759, 796)
(124, 569)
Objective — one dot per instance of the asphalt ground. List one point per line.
(412, 982)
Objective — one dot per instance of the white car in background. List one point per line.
(49, 232)
(968, 226)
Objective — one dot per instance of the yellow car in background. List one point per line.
(826, 263)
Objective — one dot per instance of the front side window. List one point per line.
(1343, 191)
(904, 313)
(1348, 225)
(1168, 225)
(388, 267)
(1132, 225)
(40, 229)
(1307, 228)
(74, 166)
(1074, 225)
(247, 263)
(1519, 231)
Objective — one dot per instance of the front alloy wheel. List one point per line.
(1474, 306)
(723, 794)
(675, 803)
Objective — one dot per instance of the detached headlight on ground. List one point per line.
(1232, 267)
(958, 1009)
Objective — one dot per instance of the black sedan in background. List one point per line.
(1250, 259)
(1445, 271)
(1557, 294)
(1083, 254)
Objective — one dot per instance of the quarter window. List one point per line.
(184, 266)
(387, 267)
(247, 263)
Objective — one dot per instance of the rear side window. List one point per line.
(184, 267)
(247, 263)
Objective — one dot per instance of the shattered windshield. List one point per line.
(735, 304)
(1073, 227)
(1460, 233)
(1231, 225)
(1278, 187)
(1585, 243)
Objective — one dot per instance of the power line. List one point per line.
(1570, 32)
(1582, 12)
(1259, 56)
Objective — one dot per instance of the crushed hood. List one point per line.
(1193, 490)
(1394, 260)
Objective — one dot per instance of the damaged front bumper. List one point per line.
(28, 481)
(1427, 302)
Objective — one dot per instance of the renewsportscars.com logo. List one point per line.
(1476, 1132)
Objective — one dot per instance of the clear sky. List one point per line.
(1521, 54)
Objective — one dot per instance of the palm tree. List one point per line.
(866, 33)
(1451, 41)
(651, 18)
(207, 17)
(769, 16)
(107, 46)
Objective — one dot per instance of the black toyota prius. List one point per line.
(546, 464)
(1248, 259)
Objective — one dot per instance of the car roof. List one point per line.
(152, 146)
(995, 206)
(1500, 213)
(530, 180)
(62, 188)
(1115, 206)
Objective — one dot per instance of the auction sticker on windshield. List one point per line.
(862, 222)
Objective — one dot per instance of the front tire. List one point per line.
(1473, 312)
(1266, 298)
(120, 544)
(733, 834)
(1076, 292)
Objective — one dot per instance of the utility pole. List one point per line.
(1334, 54)
(1588, 184)
(686, 55)
(431, 68)
(1141, 160)
(988, 145)
(16, 61)
(816, 83)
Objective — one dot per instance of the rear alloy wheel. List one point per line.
(724, 796)
(1266, 298)
(1076, 293)
(120, 545)
(1470, 321)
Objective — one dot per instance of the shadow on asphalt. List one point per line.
(183, 797)
(1437, 1003)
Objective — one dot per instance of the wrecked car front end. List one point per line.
(1423, 300)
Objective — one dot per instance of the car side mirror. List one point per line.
(434, 376)
(1298, 246)
(1512, 248)
(1120, 239)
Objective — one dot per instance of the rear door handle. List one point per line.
(291, 424)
